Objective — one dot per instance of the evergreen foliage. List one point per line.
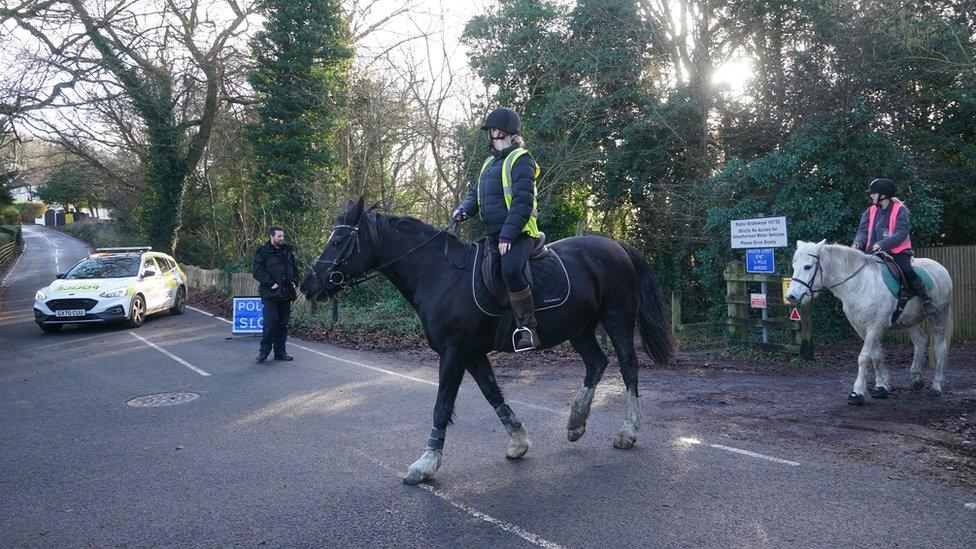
(302, 58)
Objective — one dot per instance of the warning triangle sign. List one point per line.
(794, 314)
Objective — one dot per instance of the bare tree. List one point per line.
(149, 77)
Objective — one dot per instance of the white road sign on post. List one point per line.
(760, 232)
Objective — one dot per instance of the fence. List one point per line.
(739, 324)
(7, 253)
(233, 284)
(8, 249)
(960, 261)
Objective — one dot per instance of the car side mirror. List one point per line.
(61, 275)
(148, 273)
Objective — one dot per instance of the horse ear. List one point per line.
(821, 243)
(358, 209)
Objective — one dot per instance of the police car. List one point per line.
(114, 285)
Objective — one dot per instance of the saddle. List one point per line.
(894, 279)
(545, 272)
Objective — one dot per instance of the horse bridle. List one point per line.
(818, 270)
(337, 278)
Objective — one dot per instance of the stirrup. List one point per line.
(535, 344)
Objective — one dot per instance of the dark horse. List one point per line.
(611, 284)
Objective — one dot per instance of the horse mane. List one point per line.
(848, 257)
(380, 227)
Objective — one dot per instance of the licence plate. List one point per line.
(70, 312)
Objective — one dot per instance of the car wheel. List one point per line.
(51, 328)
(179, 305)
(138, 313)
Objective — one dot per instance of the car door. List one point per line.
(153, 287)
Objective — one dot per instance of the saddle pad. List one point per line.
(892, 283)
(550, 283)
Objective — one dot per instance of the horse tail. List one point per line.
(652, 314)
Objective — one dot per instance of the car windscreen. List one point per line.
(105, 267)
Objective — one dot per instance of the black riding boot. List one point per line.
(918, 286)
(526, 337)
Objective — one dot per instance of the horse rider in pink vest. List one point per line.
(886, 227)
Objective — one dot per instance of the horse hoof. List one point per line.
(879, 392)
(415, 477)
(918, 385)
(623, 442)
(855, 399)
(517, 452)
(935, 392)
(575, 434)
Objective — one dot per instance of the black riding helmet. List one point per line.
(503, 119)
(882, 186)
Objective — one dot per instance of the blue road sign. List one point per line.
(760, 260)
(248, 315)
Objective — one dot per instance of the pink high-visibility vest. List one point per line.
(892, 221)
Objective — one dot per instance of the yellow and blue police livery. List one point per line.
(113, 285)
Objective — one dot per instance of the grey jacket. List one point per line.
(880, 235)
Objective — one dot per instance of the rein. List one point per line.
(818, 269)
(346, 284)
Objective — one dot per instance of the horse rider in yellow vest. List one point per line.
(505, 195)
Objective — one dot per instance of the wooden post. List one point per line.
(804, 337)
(729, 306)
(675, 312)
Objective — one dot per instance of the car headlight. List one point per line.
(40, 295)
(118, 292)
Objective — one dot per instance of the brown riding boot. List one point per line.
(525, 338)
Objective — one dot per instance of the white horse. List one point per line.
(856, 279)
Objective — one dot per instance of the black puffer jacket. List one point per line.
(500, 220)
(275, 266)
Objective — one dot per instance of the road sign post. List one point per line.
(759, 236)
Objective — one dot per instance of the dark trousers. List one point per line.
(904, 262)
(513, 262)
(275, 331)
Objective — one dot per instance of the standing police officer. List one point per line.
(505, 194)
(275, 269)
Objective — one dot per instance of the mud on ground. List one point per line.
(760, 396)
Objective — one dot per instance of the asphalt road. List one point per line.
(310, 453)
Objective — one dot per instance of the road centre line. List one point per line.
(169, 354)
(689, 440)
(526, 404)
(530, 537)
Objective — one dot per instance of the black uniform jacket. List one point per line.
(275, 266)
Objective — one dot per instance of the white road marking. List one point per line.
(411, 378)
(689, 440)
(530, 537)
(367, 366)
(204, 312)
(209, 314)
(169, 354)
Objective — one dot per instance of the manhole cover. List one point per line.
(163, 399)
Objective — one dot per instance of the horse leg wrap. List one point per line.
(436, 440)
(508, 417)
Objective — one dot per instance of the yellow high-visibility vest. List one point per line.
(532, 227)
